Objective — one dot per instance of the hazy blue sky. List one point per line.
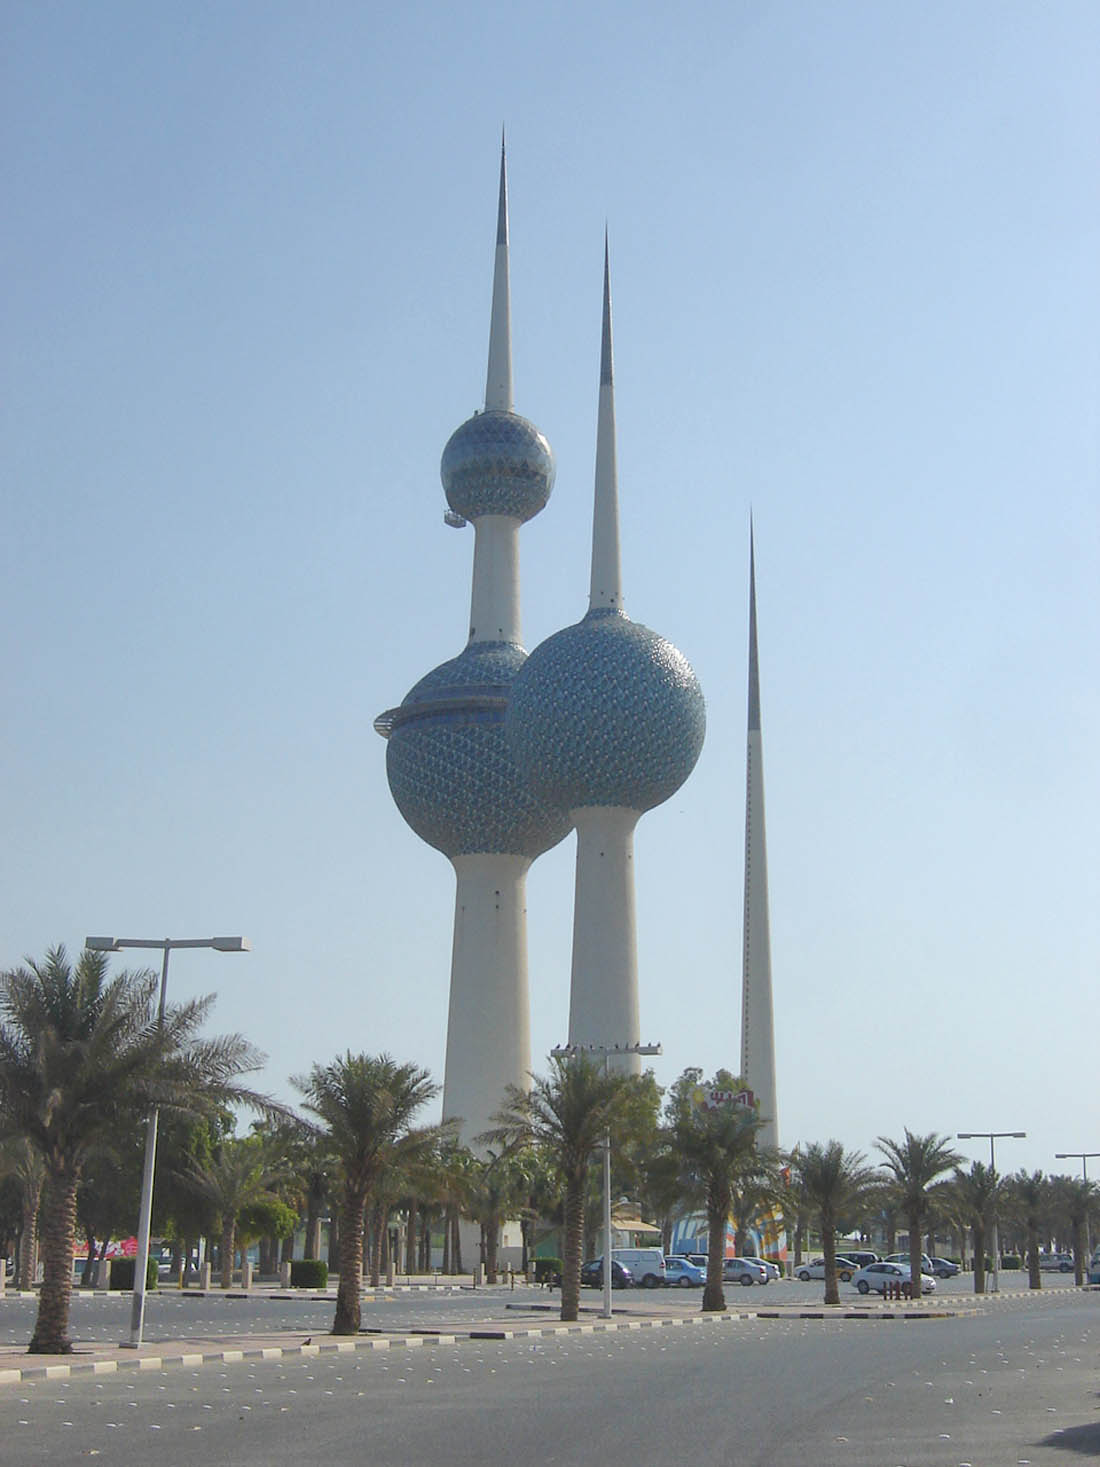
(247, 255)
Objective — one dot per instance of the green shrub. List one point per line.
(309, 1273)
(122, 1273)
(547, 1270)
(1010, 1260)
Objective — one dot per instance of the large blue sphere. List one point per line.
(497, 463)
(605, 712)
(449, 769)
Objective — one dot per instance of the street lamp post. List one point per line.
(145, 1214)
(1083, 1156)
(994, 1241)
(567, 1051)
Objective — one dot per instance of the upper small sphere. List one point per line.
(497, 463)
(605, 712)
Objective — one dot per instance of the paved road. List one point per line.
(1018, 1383)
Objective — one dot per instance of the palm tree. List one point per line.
(365, 1105)
(914, 1164)
(1077, 1199)
(82, 1057)
(976, 1193)
(835, 1183)
(238, 1178)
(19, 1160)
(566, 1114)
(718, 1149)
(1029, 1195)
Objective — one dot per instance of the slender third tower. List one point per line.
(449, 770)
(757, 1023)
(605, 719)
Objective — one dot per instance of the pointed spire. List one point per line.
(498, 379)
(606, 589)
(754, 666)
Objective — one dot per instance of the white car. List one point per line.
(815, 1269)
(879, 1277)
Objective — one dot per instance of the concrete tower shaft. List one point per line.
(757, 1020)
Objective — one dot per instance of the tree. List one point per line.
(82, 1057)
(914, 1164)
(717, 1145)
(835, 1184)
(1075, 1198)
(567, 1114)
(1029, 1196)
(365, 1105)
(976, 1194)
(20, 1161)
(232, 1185)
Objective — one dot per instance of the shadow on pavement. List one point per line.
(1084, 1439)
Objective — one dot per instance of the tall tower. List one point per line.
(606, 719)
(757, 1024)
(449, 771)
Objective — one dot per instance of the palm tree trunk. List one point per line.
(28, 1238)
(571, 1261)
(448, 1266)
(312, 1247)
(51, 1328)
(410, 1238)
(1034, 1277)
(456, 1243)
(229, 1238)
(377, 1229)
(978, 1230)
(1079, 1250)
(348, 1314)
(915, 1251)
(714, 1298)
(828, 1245)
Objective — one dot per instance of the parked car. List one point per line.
(592, 1274)
(881, 1276)
(744, 1271)
(944, 1268)
(861, 1257)
(815, 1269)
(1059, 1262)
(1094, 1268)
(925, 1261)
(699, 1259)
(682, 1273)
(647, 1265)
(774, 1271)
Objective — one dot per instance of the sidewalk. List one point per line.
(507, 1314)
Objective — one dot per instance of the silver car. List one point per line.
(744, 1271)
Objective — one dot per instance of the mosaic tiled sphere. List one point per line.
(605, 712)
(497, 463)
(449, 769)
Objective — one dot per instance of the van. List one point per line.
(646, 1264)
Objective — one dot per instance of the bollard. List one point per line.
(102, 1274)
(246, 1274)
(204, 1277)
(477, 1275)
(284, 1275)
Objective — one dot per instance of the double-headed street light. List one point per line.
(165, 944)
(994, 1242)
(569, 1051)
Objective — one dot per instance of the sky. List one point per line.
(248, 261)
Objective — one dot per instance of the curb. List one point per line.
(413, 1340)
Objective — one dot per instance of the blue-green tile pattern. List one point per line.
(449, 769)
(605, 712)
(497, 463)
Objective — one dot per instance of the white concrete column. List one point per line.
(494, 602)
(488, 1026)
(603, 1004)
